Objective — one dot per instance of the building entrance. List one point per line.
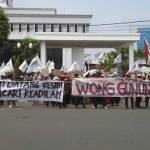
(55, 54)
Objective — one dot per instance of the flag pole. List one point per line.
(14, 75)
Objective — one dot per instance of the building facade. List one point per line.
(62, 37)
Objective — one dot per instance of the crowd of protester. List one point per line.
(85, 102)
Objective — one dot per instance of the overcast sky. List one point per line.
(104, 11)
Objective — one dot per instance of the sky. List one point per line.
(103, 11)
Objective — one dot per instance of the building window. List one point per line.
(60, 28)
(76, 28)
(56, 27)
(52, 28)
(71, 27)
(20, 28)
(11, 28)
(80, 28)
(48, 28)
(87, 27)
(32, 27)
(64, 27)
(84, 28)
(40, 27)
(36, 28)
(16, 27)
(44, 27)
(28, 28)
(68, 28)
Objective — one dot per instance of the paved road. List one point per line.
(28, 128)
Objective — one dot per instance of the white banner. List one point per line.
(32, 90)
(105, 87)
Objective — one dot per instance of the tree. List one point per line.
(4, 27)
(24, 53)
(108, 63)
(139, 54)
(4, 31)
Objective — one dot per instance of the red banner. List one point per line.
(105, 87)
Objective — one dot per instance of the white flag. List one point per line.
(48, 64)
(102, 57)
(74, 67)
(35, 65)
(135, 68)
(118, 59)
(2, 66)
(24, 66)
(51, 66)
(7, 68)
(63, 68)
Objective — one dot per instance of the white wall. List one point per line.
(67, 57)
(78, 55)
(3, 3)
(29, 11)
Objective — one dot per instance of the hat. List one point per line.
(139, 75)
(56, 78)
(39, 77)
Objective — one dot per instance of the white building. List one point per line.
(63, 37)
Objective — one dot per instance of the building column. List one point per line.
(78, 55)
(119, 65)
(67, 57)
(131, 55)
(43, 52)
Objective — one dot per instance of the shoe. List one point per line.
(10, 106)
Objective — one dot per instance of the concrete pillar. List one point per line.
(119, 66)
(136, 46)
(67, 57)
(131, 55)
(43, 52)
(78, 55)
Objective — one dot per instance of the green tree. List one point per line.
(4, 31)
(24, 53)
(108, 63)
(138, 54)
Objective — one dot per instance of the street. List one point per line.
(41, 128)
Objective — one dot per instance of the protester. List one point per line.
(36, 77)
(147, 98)
(95, 99)
(138, 100)
(10, 103)
(128, 77)
(132, 102)
(78, 99)
(67, 93)
(1, 101)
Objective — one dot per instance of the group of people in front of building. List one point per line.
(76, 101)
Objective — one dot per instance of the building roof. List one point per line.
(40, 12)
